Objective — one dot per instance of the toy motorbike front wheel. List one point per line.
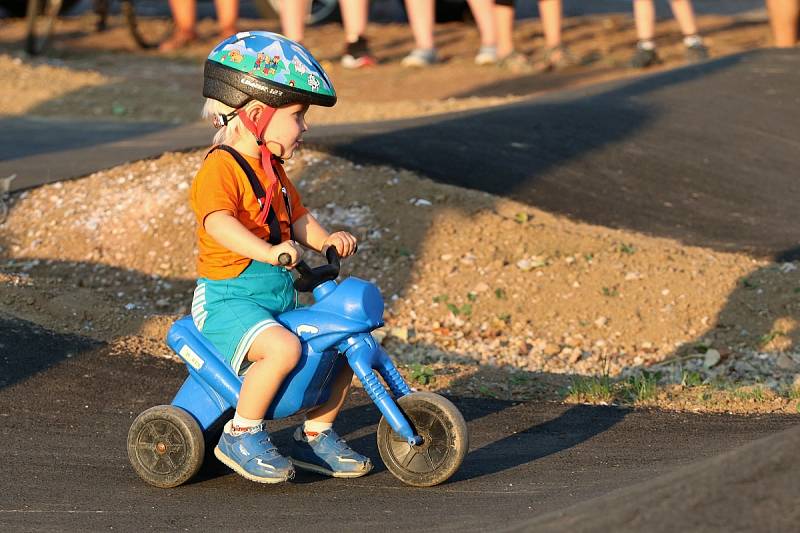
(445, 441)
(165, 446)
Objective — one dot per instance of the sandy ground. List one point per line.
(514, 296)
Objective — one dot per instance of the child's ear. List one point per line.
(255, 113)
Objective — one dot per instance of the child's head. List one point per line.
(268, 103)
(282, 135)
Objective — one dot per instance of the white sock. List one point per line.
(647, 44)
(692, 40)
(240, 424)
(309, 426)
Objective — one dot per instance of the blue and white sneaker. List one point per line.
(328, 454)
(253, 456)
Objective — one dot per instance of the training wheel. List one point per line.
(165, 446)
(445, 441)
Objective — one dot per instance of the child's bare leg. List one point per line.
(784, 18)
(328, 411)
(684, 14)
(274, 353)
(245, 445)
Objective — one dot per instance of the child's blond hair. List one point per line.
(229, 133)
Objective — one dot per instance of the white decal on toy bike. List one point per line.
(192, 358)
(305, 328)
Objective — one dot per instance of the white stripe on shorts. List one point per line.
(247, 342)
(200, 319)
(199, 313)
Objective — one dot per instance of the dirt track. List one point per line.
(606, 300)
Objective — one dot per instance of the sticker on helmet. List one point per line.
(274, 58)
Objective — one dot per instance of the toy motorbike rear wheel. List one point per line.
(165, 446)
(445, 441)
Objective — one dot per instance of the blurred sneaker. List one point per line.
(645, 55)
(252, 455)
(328, 454)
(358, 55)
(559, 57)
(696, 50)
(515, 62)
(487, 55)
(420, 57)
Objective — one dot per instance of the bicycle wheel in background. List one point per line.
(40, 19)
(154, 32)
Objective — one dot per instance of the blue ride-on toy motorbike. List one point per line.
(422, 437)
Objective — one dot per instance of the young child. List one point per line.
(644, 14)
(248, 214)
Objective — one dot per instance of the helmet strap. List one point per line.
(268, 159)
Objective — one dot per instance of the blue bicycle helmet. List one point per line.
(267, 67)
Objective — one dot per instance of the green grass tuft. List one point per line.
(591, 389)
(422, 374)
(641, 387)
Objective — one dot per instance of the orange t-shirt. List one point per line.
(222, 185)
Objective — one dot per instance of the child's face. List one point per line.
(284, 132)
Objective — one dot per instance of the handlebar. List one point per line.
(309, 277)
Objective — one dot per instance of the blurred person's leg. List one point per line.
(184, 15)
(293, 18)
(484, 19)
(684, 13)
(507, 57)
(784, 19)
(227, 16)
(644, 17)
(504, 27)
(421, 18)
(355, 15)
(556, 55)
(551, 13)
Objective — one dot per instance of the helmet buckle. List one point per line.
(219, 121)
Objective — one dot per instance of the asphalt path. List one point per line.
(752, 488)
(66, 405)
(55, 150)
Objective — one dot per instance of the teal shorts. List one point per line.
(231, 313)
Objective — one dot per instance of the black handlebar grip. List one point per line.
(285, 259)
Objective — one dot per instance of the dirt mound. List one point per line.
(466, 276)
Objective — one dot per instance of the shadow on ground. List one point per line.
(704, 154)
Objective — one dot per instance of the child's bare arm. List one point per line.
(312, 235)
(230, 233)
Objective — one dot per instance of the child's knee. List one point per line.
(278, 346)
(287, 352)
